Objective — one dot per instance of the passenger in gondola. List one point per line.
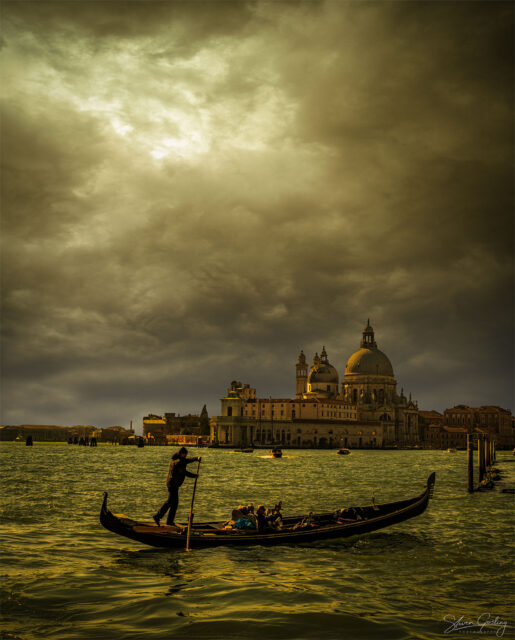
(251, 515)
(276, 511)
(268, 519)
(176, 474)
(263, 521)
(241, 519)
(245, 521)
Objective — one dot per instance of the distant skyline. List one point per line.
(193, 192)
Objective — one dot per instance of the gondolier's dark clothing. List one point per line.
(176, 475)
(178, 471)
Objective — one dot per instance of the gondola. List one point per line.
(323, 526)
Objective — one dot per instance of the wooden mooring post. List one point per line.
(470, 462)
(481, 457)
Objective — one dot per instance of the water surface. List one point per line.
(64, 577)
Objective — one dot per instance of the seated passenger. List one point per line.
(277, 516)
(263, 521)
(269, 518)
(241, 518)
(307, 521)
(251, 515)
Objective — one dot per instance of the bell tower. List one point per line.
(302, 375)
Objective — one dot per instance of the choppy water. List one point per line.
(65, 577)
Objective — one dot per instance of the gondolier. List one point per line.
(176, 474)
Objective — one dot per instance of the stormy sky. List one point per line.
(192, 192)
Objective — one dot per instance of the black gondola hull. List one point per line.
(206, 535)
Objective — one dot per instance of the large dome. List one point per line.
(369, 362)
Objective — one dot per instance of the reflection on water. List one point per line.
(64, 577)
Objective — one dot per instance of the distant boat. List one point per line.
(246, 450)
(276, 453)
(343, 452)
(451, 450)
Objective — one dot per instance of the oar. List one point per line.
(190, 520)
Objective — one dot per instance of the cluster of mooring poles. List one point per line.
(83, 442)
(485, 461)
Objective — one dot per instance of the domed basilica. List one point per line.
(364, 411)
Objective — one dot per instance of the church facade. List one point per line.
(363, 411)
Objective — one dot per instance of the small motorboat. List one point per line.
(341, 523)
(343, 452)
(451, 450)
(276, 453)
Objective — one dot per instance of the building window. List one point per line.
(229, 411)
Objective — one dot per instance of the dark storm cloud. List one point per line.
(193, 192)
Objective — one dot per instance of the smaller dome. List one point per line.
(323, 373)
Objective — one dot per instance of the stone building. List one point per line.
(493, 420)
(365, 411)
(369, 383)
(38, 432)
(440, 436)
(175, 424)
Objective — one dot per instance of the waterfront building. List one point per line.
(440, 436)
(38, 432)
(54, 433)
(364, 411)
(460, 415)
(154, 426)
(495, 421)
(159, 427)
(438, 430)
(425, 418)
